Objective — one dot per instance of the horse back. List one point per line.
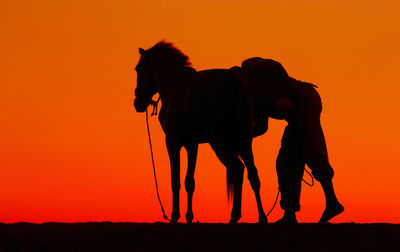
(212, 103)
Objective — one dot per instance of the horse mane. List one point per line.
(169, 55)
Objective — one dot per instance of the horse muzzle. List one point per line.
(140, 105)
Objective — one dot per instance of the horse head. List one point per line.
(145, 88)
(157, 68)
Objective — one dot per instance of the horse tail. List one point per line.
(229, 183)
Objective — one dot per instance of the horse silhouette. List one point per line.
(275, 94)
(210, 106)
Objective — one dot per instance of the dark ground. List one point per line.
(107, 236)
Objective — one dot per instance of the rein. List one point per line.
(155, 106)
(154, 112)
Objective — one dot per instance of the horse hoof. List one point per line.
(175, 217)
(174, 220)
(189, 219)
(262, 220)
(234, 220)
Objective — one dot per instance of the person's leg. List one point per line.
(332, 205)
(290, 168)
(308, 111)
(317, 159)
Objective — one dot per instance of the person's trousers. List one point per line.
(303, 142)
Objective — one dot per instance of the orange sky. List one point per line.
(73, 148)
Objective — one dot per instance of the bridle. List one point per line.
(151, 101)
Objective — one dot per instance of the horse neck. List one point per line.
(166, 80)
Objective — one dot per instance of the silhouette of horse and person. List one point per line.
(227, 108)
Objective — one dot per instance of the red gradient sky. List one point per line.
(73, 148)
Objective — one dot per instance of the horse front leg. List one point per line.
(189, 180)
(174, 157)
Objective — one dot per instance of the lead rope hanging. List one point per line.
(277, 195)
(153, 113)
(154, 104)
(312, 178)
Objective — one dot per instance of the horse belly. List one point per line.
(225, 117)
(195, 132)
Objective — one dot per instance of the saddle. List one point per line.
(265, 67)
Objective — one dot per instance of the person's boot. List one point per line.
(288, 219)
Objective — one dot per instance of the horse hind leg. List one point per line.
(189, 180)
(247, 156)
(174, 157)
(235, 169)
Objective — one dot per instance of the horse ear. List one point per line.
(141, 51)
